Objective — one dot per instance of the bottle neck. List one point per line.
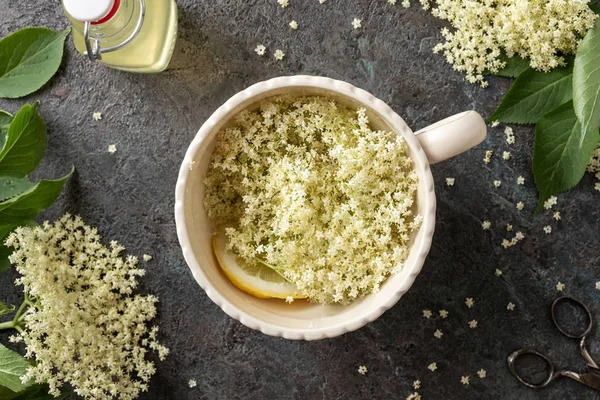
(115, 27)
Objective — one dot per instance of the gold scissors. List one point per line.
(590, 378)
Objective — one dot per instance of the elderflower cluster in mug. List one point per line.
(542, 31)
(87, 329)
(312, 190)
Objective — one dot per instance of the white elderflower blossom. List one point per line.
(450, 181)
(506, 155)
(444, 314)
(294, 25)
(88, 328)
(497, 183)
(542, 31)
(488, 156)
(520, 180)
(427, 314)
(311, 189)
(260, 50)
(469, 302)
(356, 23)
(473, 324)
(283, 3)
(510, 306)
(192, 383)
(438, 334)
(495, 123)
(520, 206)
(392, 2)
(406, 3)
(551, 202)
(363, 370)
(464, 380)
(482, 373)
(279, 54)
(112, 148)
(486, 225)
(498, 272)
(432, 367)
(560, 287)
(97, 116)
(548, 229)
(417, 384)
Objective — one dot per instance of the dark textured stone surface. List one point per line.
(129, 195)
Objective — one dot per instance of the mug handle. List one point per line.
(452, 136)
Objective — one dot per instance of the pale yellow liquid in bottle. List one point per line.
(152, 48)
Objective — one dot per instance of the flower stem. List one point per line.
(16, 322)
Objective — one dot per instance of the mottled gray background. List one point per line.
(129, 195)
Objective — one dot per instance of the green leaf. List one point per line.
(27, 205)
(6, 309)
(6, 394)
(12, 367)
(534, 94)
(561, 152)
(514, 67)
(25, 143)
(11, 187)
(594, 8)
(28, 59)
(586, 80)
(5, 120)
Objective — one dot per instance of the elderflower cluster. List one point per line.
(542, 31)
(594, 165)
(312, 190)
(87, 328)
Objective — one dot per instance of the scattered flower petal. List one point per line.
(432, 367)
(497, 183)
(427, 314)
(486, 225)
(510, 306)
(97, 116)
(112, 148)
(473, 324)
(482, 373)
(444, 314)
(356, 23)
(520, 180)
(417, 384)
(192, 383)
(283, 3)
(438, 334)
(279, 54)
(498, 272)
(560, 287)
(449, 181)
(294, 25)
(520, 205)
(506, 155)
(147, 257)
(363, 370)
(464, 380)
(556, 216)
(548, 229)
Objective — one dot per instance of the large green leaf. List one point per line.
(5, 120)
(6, 309)
(514, 67)
(561, 152)
(11, 187)
(4, 262)
(25, 143)
(586, 80)
(28, 59)
(534, 94)
(27, 205)
(40, 392)
(12, 367)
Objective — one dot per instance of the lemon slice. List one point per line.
(257, 280)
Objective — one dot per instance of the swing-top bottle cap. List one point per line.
(88, 10)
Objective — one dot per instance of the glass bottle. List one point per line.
(131, 35)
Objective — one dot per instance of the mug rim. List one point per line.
(370, 102)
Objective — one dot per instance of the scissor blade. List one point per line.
(591, 378)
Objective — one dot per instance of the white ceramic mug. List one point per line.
(301, 319)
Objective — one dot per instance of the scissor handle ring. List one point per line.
(512, 358)
(579, 303)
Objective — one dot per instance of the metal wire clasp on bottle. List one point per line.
(94, 51)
